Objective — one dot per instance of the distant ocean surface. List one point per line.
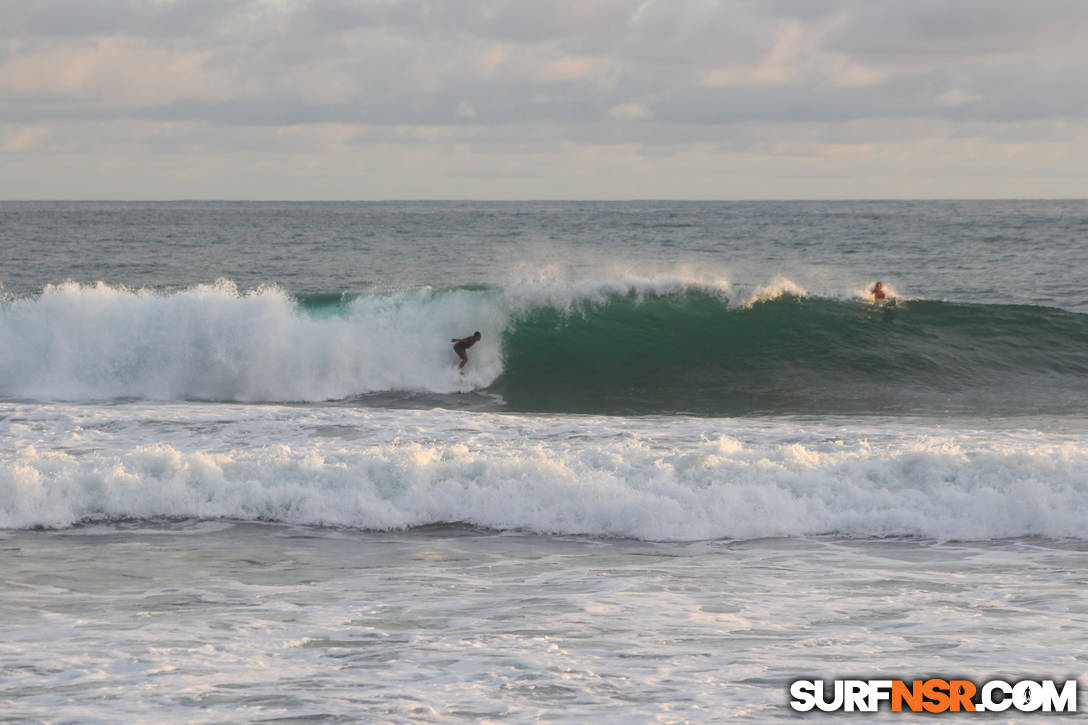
(690, 461)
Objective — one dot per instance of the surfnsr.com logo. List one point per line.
(933, 695)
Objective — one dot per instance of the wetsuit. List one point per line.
(460, 347)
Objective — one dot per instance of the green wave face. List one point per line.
(688, 350)
(693, 353)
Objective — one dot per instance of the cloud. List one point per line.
(632, 111)
(465, 110)
(21, 139)
(96, 18)
(928, 32)
(665, 76)
(957, 97)
(284, 61)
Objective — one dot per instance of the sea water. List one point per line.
(690, 461)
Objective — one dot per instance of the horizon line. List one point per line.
(531, 200)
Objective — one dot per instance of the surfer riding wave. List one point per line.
(463, 343)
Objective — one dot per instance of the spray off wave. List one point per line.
(213, 343)
(619, 347)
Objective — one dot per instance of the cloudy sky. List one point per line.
(500, 99)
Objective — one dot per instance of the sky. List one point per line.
(568, 99)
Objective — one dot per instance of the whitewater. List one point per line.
(690, 461)
(658, 479)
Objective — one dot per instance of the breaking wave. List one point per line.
(576, 475)
(615, 348)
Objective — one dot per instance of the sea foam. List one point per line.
(657, 479)
(213, 343)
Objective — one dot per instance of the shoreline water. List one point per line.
(213, 620)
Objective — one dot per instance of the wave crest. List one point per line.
(628, 345)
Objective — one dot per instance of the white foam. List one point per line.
(682, 479)
(559, 287)
(777, 287)
(212, 342)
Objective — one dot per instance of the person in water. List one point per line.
(878, 291)
(460, 344)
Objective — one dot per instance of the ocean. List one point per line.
(690, 461)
